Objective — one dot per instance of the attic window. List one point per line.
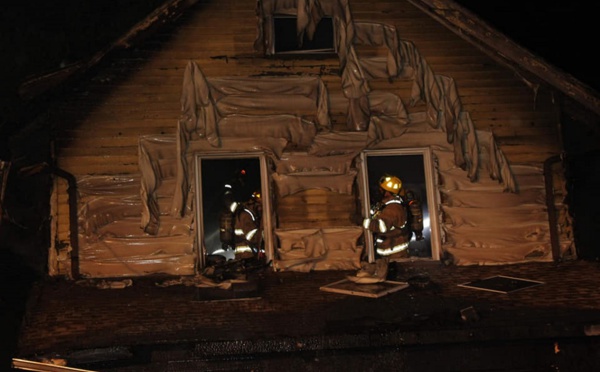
(286, 41)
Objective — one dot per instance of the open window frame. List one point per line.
(227, 163)
(323, 42)
(399, 162)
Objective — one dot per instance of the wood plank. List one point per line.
(117, 112)
(99, 165)
(547, 148)
(116, 131)
(516, 158)
(99, 142)
(70, 152)
(491, 97)
(314, 223)
(547, 133)
(141, 125)
(546, 143)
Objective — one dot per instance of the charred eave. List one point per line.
(505, 51)
(166, 13)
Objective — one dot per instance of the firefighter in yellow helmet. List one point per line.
(389, 219)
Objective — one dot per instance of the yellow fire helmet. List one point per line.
(391, 184)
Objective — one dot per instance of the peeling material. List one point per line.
(132, 226)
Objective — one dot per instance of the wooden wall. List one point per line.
(137, 93)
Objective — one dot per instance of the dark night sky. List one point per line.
(561, 32)
(38, 36)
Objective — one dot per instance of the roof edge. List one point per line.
(501, 48)
(451, 15)
(42, 83)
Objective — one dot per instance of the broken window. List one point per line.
(226, 184)
(287, 40)
(414, 168)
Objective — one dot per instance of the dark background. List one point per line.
(243, 174)
(562, 32)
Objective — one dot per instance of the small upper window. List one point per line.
(286, 41)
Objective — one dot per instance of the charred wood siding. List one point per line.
(138, 92)
(316, 208)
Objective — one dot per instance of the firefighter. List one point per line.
(415, 214)
(248, 227)
(390, 219)
(227, 219)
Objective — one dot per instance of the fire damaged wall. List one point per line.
(145, 222)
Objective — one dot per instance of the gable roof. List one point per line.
(166, 13)
(504, 50)
(533, 69)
